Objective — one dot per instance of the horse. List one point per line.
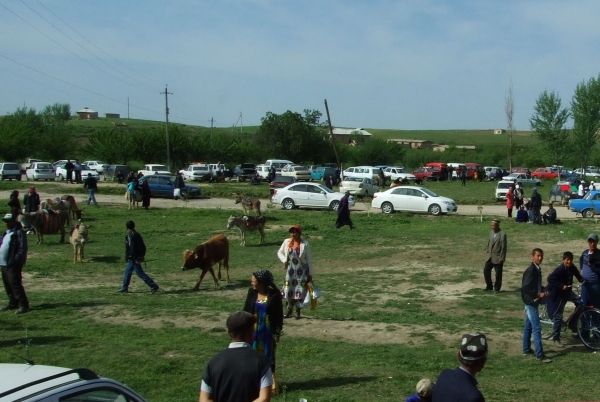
(46, 223)
(248, 203)
(248, 224)
(133, 199)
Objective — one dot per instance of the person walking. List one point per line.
(460, 385)
(344, 213)
(536, 206)
(179, 184)
(77, 171)
(135, 253)
(238, 373)
(92, 185)
(532, 292)
(495, 257)
(13, 256)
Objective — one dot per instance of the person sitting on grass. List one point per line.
(522, 216)
(550, 215)
(424, 391)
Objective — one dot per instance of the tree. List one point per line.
(59, 112)
(110, 145)
(585, 109)
(548, 124)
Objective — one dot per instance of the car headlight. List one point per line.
(447, 202)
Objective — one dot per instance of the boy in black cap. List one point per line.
(460, 385)
(238, 373)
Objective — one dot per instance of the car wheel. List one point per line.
(334, 205)
(183, 194)
(366, 194)
(588, 213)
(387, 208)
(61, 177)
(19, 178)
(288, 204)
(435, 209)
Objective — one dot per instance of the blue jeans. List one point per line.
(91, 196)
(532, 325)
(558, 316)
(590, 294)
(133, 266)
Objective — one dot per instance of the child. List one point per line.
(424, 392)
(531, 293)
(559, 293)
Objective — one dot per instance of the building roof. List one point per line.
(86, 110)
(349, 131)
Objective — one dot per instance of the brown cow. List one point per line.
(248, 203)
(207, 254)
(79, 236)
(45, 223)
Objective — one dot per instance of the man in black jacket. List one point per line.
(460, 385)
(532, 292)
(13, 256)
(135, 252)
(536, 206)
(179, 184)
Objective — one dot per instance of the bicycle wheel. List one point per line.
(588, 328)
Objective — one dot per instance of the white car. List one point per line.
(40, 171)
(38, 383)
(312, 195)
(298, 171)
(263, 171)
(61, 172)
(195, 172)
(413, 199)
(362, 187)
(98, 166)
(502, 189)
(153, 168)
(523, 179)
(369, 172)
(398, 173)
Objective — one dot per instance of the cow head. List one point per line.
(189, 258)
(238, 198)
(230, 222)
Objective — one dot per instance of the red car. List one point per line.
(520, 170)
(545, 173)
(281, 182)
(426, 173)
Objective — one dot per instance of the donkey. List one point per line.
(248, 203)
(248, 224)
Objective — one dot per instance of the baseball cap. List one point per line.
(534, 189)
(473, 347)
(593, 236)
(239, 320)
(8, 218)
(425, 387)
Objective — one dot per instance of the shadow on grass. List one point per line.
(108, 259)
(327, 382)
(203, 288)
(50, 306)
(266, 244)
(35, 340)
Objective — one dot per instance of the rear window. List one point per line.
(205, 168)
(10, 166)
(157, 168)
(353, 179)
(44, 166)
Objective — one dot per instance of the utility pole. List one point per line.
(337, 158)
(128, 108)
(241, 124)
(166, 93)
(212, 121)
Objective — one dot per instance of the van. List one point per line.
(263, 171)
(370, 172)
(216, 168)
(278, 163)
(10, 170)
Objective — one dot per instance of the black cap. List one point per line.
(239, 321)
(473, 347)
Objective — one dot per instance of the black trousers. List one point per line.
(13, 284)
(487, 275)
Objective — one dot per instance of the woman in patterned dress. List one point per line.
(264, 302)
(295, 255)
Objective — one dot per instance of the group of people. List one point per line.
(133, 186)
(529, 211)
(73, 172)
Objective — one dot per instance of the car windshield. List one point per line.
(157, 168)
(588, 196)
(428, 192)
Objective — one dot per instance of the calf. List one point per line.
(248, 224)
(79, 236)
(248, 203)
(207, 254)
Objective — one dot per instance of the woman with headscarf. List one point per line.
(146, 194)
(31, 200)
(15, 204)
(264, 302)
(295, 255)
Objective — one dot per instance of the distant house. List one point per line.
(351, 135)
(112, 115)
(87, 114)
(499, 131)
(442, 148)
(416, 144)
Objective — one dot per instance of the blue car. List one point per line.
(163, 186)
(321, 173)
(588, 206)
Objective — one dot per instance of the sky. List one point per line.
(409, 65)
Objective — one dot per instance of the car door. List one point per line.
(418, 200)
(299, 194)
(316, 196)
(399, 199)
(369, 186)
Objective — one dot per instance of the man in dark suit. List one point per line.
(495, 257)
(460, 385)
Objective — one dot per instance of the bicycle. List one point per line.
(584, 320)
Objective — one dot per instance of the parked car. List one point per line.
(301, 173)
(10, 170)
(111, 172)
(588, 174)
(370, 172)
(427, 173)
(545, 173)
(394, 172)
(263, 171)
(61, 172)
(494, 169)
(502, 188)
(98, 166)
(39, 383)
(244, 172)
(153, 168)
(520, 170)
(588, 206)
(27, 164)
(322, 172)
(311, 195)
(40, 171)
(567, 174)
(362, 187)
(281, 182)
(523, 179)
(562, 192)
(164, 186)
(413, 199)
(195, 172)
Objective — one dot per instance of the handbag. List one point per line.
(312, 294)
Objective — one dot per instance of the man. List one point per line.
(329, 182)
(135, 252)
(69, 167)
(344, 213)
(550, 215)
(13, 256)
(238, 373)
(590, 289)
(495, 257)
(536, 206)
(92, 185)
(463, 175)
(580, 189)
(77, 170)
(179, 184)
(518, 195)
(460, 385)
(522, 216)
(531, 294)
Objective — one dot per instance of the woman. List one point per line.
(295, 255)
(15, 204)
(146, 194)
(510, 201)
(264, 302)
(31, 200)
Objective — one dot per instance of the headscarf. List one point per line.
(264, 277)
(293, 243)
(31, 190)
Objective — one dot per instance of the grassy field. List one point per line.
(397, 294)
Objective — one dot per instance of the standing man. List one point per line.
(69, 167)
(13, 256)
(532, 292)
(135, 252)
(536, 206)
(238, 373)
(329, 182)
(344, 213)
(463, 175)
(92, 185)
(495, 257)
(179, 184)
(77, 170)
(460, 385)
(590, 289)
